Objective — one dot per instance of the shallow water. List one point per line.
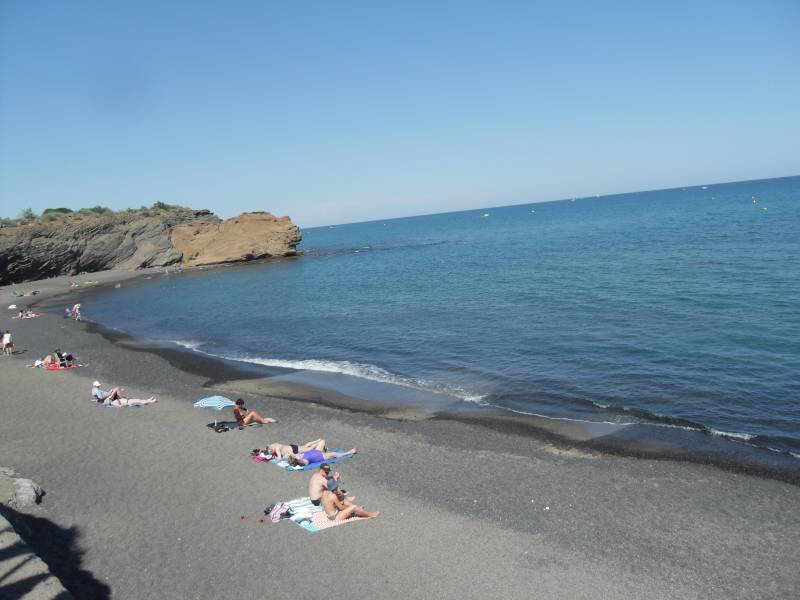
(674, 308)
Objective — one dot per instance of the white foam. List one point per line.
(552, 418)
(734, 435)
(189, 345)
(362, 371)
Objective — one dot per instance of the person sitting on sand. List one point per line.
(103, 395)
(64, 359)
(278, 451)
(114, 397)
(338, 508)
(315, 456)
(244, 417)
(319, 483)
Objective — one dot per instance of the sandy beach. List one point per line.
(148, 502)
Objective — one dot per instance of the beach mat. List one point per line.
(284, 464)
(57, 368)
(312, 518)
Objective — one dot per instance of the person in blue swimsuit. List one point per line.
(316, 456)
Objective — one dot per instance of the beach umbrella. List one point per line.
(214, 403)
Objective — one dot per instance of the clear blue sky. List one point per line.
(335, 112)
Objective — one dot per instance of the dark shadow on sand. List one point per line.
(58, 548)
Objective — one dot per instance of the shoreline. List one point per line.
(646, 441)
(154, 499)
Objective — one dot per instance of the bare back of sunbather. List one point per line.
(278, 450)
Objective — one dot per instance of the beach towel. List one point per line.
(312, 518)
(57, 368)
(284, 464)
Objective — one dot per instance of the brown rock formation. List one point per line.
(247, 237)
(137, 239)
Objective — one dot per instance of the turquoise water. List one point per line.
(675, 308)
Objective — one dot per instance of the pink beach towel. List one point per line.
(321, 520)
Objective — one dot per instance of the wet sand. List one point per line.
(149, 502)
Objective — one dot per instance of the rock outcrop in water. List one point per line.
(138, 239)
(246, 237)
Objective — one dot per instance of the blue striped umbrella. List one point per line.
(214, 403)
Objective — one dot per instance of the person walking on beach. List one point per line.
(8, 344)
(244, 417)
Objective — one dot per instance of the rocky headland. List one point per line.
(85, 242)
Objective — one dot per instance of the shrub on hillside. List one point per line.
(27, 215)
(56, 211)
(95, 210)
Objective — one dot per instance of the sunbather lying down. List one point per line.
(314, 456)
(278, 450)
(245, 417)
(114, 397)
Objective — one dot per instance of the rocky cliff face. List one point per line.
(246, 237)
(135, 240)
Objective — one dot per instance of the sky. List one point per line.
(336, 112)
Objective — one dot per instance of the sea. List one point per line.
(670, 310)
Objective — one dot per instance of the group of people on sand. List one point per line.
(58, 358)
(324, 487)
(26, 313)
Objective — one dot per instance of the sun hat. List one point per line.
(96, 384)
(333, 485)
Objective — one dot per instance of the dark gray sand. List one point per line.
(148, 502)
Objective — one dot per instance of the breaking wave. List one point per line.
(353, 369)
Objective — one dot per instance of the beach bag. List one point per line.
(278, 511)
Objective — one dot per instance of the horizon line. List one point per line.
(594, 197)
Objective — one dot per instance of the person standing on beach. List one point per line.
(8, 344)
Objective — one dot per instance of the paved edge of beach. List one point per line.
(148, 501)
